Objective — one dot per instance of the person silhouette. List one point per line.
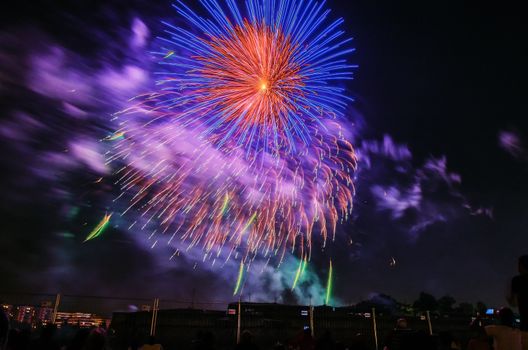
(519, 297)
(505, 335)
(519, 292)
(4, 329)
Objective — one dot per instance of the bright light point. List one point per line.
(263, 87)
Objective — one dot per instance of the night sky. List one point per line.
(439, 125)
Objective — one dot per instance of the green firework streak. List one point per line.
(329, 284)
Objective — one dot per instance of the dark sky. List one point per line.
(445, 78)
(440, 80)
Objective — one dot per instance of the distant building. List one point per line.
(43, 314)
(81, 319)
(28, 314)
(269, 310)
(25, 314)
(8, 309)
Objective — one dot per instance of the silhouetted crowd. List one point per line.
(503, 334)
(48, 339)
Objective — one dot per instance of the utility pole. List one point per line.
(56, 308)
(312, 320)
(375, 327)
(154, 320)
(239, 320)
(429, 322)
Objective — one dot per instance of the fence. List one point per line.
(178, 322)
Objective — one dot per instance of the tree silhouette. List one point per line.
(445, 304)
(384, 304)
(426, 302)
(465, 309)
(481, 308)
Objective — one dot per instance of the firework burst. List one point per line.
(253, 83)
(242, 148)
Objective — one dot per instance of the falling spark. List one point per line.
(329, 284)
(239, 279)
(251, 219)
(305, 262)
(115, 136)
(300, 272)
(224, 206)
(297, 274)
(99, 229)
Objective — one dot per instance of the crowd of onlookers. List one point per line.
(502, 334)
(48, 339)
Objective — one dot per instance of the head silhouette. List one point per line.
(401, 323)
(523, 264)
(506, 317)
(4, 328)
(246, 337)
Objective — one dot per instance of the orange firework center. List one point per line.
(263, 86)
(252, 77)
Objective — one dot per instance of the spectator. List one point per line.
(304, 340)
(66, 333)
(18, 339)
(208, 341)
(151, 344)
(421, 340)
(47, 339)
(4, 329)
(204, 341)
(197, 342)
(359, 342)
(279, 346)
(25, 338)
(79, 339)
(479, 339)
(519, 296)
(398, 337)
(505, 337)
(447, 341)
(96, 340)
(12, 339)
(133, 342)
(246, 342)
(325, 342)
(339, 345)
(519, 291)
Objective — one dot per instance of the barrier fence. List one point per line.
(177, 323)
